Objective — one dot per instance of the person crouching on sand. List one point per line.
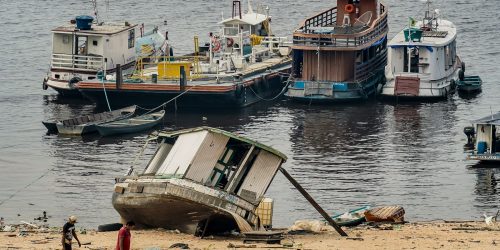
(124, 236)
(68, 233)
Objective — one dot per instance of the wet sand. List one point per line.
(424, 235)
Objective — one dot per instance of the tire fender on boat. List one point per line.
(44, 83)
(453, 83)
(461, 74)
(74, 81)
(462, 66)
(238, 90)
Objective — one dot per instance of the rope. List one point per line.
(105, 93)
(25, 187)
(277, 96)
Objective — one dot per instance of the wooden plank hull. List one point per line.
(208, 96)
(170, 212)
(132, 125)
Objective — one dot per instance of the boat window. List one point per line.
(131, 38)
(228, 164)
(81, 45)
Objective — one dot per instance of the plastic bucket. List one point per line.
(84, 22)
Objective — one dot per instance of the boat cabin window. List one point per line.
(81, 45)
(228, 164)
(131, 38)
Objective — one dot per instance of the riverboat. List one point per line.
(199, 181)
(423, 60)
(483, 139)
(242, 65)
(339, 55)
(82, 48)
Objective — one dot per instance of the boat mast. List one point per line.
(94, 5)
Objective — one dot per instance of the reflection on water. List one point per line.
(345, 155)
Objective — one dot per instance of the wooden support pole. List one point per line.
(313, 202)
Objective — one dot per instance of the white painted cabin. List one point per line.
(79, 54)
(425, 67)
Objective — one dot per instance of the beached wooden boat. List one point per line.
(385, 214)
(469, 84)
(201, 180)
(351, 218)
(131, 125)
(87, 124)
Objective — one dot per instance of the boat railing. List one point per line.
(339, 37)
(147, 66)
(80, 62)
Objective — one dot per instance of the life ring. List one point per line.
(349, 8)
(215, 45)
(230, 42)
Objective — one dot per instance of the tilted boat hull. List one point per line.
(169, 212)
(132, 125)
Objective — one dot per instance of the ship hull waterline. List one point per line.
(251, 92)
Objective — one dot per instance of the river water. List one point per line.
(345, 155)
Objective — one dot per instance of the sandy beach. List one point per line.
(423, 235)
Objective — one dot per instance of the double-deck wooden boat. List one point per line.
(131, 125)
(84, 47)
(241, 65)
(339, 55)
(199, 180)
(87, 124)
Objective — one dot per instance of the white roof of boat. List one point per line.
(226, 133)
(491, 119)
(248, 18)
(443, 26)
(102, 29)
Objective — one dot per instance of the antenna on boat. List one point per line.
(94, 5)
(250, 9)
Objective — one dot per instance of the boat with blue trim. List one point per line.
(483, 139)
(339, 55)
(423, 61)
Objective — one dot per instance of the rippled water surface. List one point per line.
(346, 156)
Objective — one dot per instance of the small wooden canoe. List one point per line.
(470, 84)
(87, 124)
(131, 125)
(351, 218)
(51, 126)
(386, 213)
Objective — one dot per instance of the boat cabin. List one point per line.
(340, 54)
(487, 143)
(427, 48)
(85, 47)
(342, 44)
(216, 159)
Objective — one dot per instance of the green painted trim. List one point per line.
(226, 133)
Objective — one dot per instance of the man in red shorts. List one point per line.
(124, 236)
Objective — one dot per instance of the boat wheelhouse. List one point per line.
(82, 48)
(241, 65)
(201, 179)
(423, 61)
(484, 139)
(339, 55)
